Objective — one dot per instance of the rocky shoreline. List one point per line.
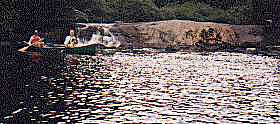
(184, 33)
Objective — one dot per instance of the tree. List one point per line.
(134, 10)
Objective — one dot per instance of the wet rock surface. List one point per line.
(186, 33)
(160, 87)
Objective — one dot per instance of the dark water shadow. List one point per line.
(22, 81)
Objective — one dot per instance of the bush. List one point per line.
(213, 14)
(134, 10)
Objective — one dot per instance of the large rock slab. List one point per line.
(183, 33)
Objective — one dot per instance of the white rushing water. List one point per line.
(108, 39)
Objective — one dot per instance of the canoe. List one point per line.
(89, 49)
(85, 46)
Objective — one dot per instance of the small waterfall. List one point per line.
(93, 34)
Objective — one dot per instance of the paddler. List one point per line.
(36, 40)
(71, 41)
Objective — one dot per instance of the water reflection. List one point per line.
(36, 57)
(161, 87)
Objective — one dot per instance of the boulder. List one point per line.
(184, 33)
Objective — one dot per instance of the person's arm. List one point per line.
(30, 41)
(67, 39)
(41, 39)
(78, 40)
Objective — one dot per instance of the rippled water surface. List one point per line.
(161, 87)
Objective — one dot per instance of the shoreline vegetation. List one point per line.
(21, 18)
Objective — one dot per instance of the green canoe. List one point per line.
(82, 50)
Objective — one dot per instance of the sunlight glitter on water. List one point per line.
(166, 87)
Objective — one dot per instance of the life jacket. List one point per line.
(73, 41)
(35, 39)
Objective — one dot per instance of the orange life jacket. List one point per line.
(35, 39)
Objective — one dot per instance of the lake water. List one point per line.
(218, 87)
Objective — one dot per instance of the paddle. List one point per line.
(25, 48)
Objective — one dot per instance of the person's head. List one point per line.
(36, 32)
(72, 32)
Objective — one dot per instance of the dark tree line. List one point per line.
(23, 16)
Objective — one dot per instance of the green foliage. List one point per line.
(167, 13)
(238, 15)
(24, 16)
(226, 11)
(214, 14)
(148, 10)
(188, 9)
(134, 10)
(224, 4)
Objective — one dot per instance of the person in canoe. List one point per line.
(71, 41)
(36, 40)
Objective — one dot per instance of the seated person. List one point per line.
(71, 41)
(36, 40)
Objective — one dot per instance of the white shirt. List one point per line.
(67, 40)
